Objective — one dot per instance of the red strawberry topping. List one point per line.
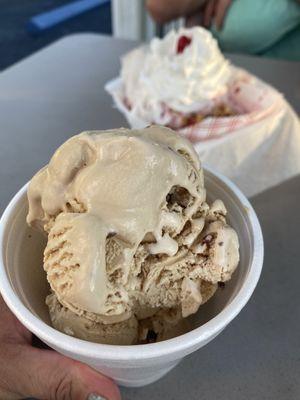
(182, 43)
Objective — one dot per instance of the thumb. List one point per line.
(52, 376)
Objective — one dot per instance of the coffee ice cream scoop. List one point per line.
(126, 215)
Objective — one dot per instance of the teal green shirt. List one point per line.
(269, 27)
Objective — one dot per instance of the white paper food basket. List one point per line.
(256, 100)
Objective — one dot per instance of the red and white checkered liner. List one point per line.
(253, 99)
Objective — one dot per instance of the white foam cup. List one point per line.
(24, 287)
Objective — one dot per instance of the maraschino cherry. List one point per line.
(182, 43)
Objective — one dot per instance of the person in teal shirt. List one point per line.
(265, 27)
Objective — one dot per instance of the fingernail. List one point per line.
(95, 396)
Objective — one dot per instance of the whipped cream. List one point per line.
(186, 79)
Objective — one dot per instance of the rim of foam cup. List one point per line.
(180, 344)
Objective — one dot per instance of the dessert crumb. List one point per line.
(151, 336)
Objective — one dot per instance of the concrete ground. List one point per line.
(16, 42)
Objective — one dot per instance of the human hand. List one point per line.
(215, 10)
(26, 371)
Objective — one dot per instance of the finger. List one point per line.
(220, 12)
(208, 13)
(45, 374)
(11, 330)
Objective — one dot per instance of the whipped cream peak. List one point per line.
(185, 72)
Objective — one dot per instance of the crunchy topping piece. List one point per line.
(151, 336)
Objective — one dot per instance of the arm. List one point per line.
(163, 11)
